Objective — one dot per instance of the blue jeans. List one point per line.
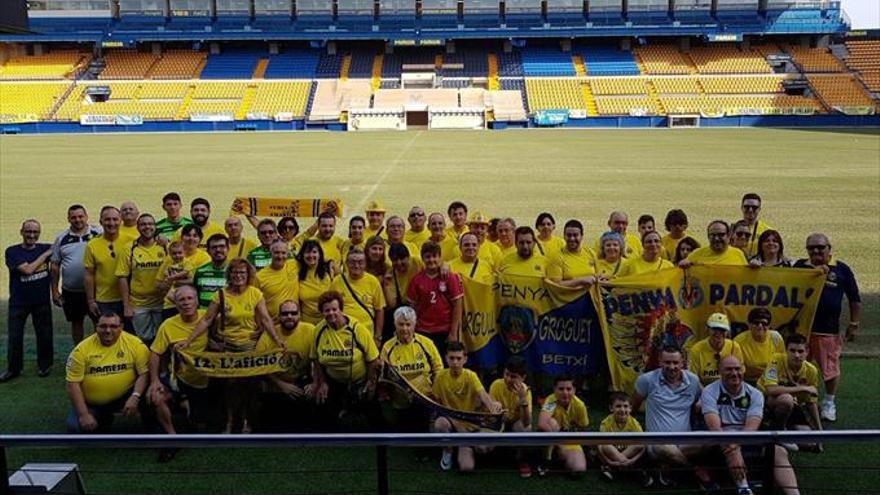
(41, 317)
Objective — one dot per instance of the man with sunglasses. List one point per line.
(826, 342)
(99, 260)
(418, 232)
(261, 256)
(704, 356)
(28, 265)
(719, 251)
(751, 207)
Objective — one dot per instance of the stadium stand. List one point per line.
(840, 91)
(361, 63)
(53, 65)
(519, 86)
(728, 59)
(330, 66)
(815, 59)
(127, 64)
(29, 102)
(864, 57)
(231, 65)
(743, 85)
(738, 105)
(626, 105)
(663, 59)
(510, 65)
(542, 62)
(549, 94)
(677, 85)
(293, 64)
(178, 64)
(507, 106)
(617, 86)
(609, 61)
(397, 98)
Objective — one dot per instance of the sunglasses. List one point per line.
(817, 247)
(742, 234)
(267, 232)
(417, 214)
(112, 250)
(751, 207)
(288, 313)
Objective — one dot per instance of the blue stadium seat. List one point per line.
(231, 64)
(546, 61)
(609, 61)
(328, 66)
(361, 64)
(510, 64)
(293, 64)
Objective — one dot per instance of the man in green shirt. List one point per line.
(174, 221)
(260, 256)
(211, 277)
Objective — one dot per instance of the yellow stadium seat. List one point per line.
(728, 59)
(549, 94)
(54, 65)
(840, 90)
(27, 102)
(663, 59)
(618, 86)
(815, 59)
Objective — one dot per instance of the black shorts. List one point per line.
(75, 306)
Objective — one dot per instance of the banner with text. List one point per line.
(236, 365)
(285, 207)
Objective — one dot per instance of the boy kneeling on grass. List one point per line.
(459, 388)
(564, 411)
(621, 457)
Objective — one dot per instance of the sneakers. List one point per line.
(446, 460)
(745, 491)
(525, 471)
(829, 411)
(791, 447)
(605, 471)
(541, 470)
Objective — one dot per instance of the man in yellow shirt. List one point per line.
(184, 386)
(564, 411)
(279, 281)
(417, 233)
(719, 251)
(331, 245)
(375, 220)
(200, 213)
(362, 293)
(676, 224)
(506, 236)
(136, 272)
(106, 374)
(704, 356)
(458, 388)
(618, 222)
(396, 230)
(468, 264)
(129, 212)
(99, 260)
(239, 246)
(478, 224)
(525, 261)
(458, 215)
(439, 234)
(751, 207)
(574, 264)
(791, 384)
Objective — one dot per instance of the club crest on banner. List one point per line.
(517, 325)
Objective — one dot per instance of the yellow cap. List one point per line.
(375, 205)
(718, 321)
(478, 217)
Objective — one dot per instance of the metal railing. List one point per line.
(382, 441)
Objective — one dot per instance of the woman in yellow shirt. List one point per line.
(650, 260)
(377, 259)
(610, 260)
(315, 277)
(548, 244)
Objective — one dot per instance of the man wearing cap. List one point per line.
(418, 233)
(375, 220)
(719, 251)
(704, 356)
(524, 261)
(478, 223)
(574, 264)
(458, 215)
(439, 235)
(751, 207)
(618, 221)
(826, 342)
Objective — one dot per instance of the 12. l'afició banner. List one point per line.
(236, 364)
(644, 312)
(556, 329)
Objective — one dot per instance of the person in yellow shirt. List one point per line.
(458, 215)
(459, 388)
(719, 251)
(315, 277)
(330, 244)
(396, 281)
(620, 457)
(176, 271)
(396, 230)
(631, 246)
(506, 236)
(136, 272)
(375, 212)
(99, 260)
(759, 343)
(468, 264)
(684, 249)
(362, 293)
(515, 397)
(739, 236)
(129, 213)
(564, 411)
(575, 264)
(650, 259)
(279, 281)
(239, 246)
(548, 244)
(751, 207)
(418, 232)
(288, 229)
(184, 386)
(416, 358)
(610, 261)
(448, 243)
(676, 223)
(106, 374)
(705, 355)
(345, 366)
(791, 384)
(286, 404)
(478, 224)
(356, 227)
(524, 261)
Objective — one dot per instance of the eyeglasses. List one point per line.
(239, 273)
(751, 207)
(761, 323)
(288, 313)
(417, 214)
(742, 234)
(717, 235)
(267, 232)
(817, 247)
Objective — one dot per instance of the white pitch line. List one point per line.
(360, 206)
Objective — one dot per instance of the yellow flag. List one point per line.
(285, 207)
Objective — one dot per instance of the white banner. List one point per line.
(284, 117)
(211, 117)
(97, 119)
(129, 120)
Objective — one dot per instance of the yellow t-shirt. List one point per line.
(566, 265)
(571, 418)
(461, 392)
(347, 245)
(633, 245)
(448, 248)
(240, 317)
(507, 250)
(370, 232)
(610, 270)
(310, 289)
(610, 425)
(510, 400)
(730, 256)
(757, 355)
(550, 247)
(100, 256)
(418, 361)
(670, 245)
(279, 285)
(413, 250)
(336, 351)
(190, 264)
(141, 266)
(368, 290)
(174, 330)
(703, 363)
(300, 343)
(332, 249)
(455, 234)
(208, 230)
(638, 265)
(534, 266)
(490, 253)
(417, 238)
(483, 273)
(757, 229)
(241, 248)
(400, 281)
(128, 234)
(107, 372)
(778, 373)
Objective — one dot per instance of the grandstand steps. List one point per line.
(376, 79)
(640, 62)
(151, 69)
(183, 110)
(50, 115)
(492, 62)
(312, 89)
(345, 67)
(592, 107)
(580, 69)
(249, 94)
(655, 97)
(260, 69)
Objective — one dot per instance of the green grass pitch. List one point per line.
(811, 180)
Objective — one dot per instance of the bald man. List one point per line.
(129, 212)
(618, 221)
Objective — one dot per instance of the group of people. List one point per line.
(390, 295)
